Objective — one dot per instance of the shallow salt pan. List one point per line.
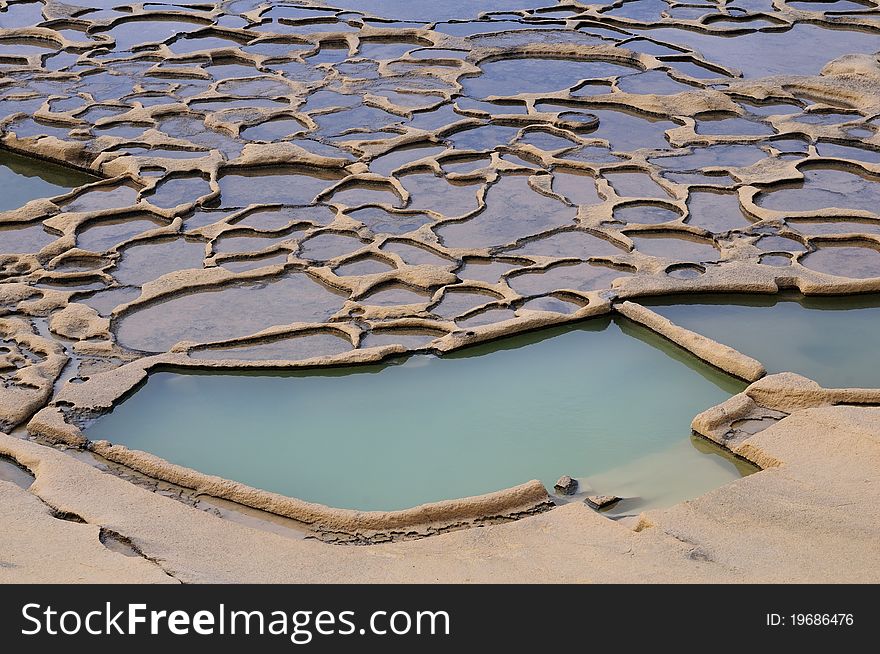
(536, 406)
(536, 75)
(519, 209)
(23, 179)
(203, 315)
(829, 340)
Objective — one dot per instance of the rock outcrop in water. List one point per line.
(566, 485)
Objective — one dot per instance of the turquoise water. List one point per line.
(596, 399)
(832, 340)
(23, 179)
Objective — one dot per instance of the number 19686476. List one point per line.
(810, 620)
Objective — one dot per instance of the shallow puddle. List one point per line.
(291, 348)
(428, 12)
(105, 301)
(12, 472)
(25, 238)
(645, 213)
(359, 194)
(574, 244)
(822, 228)
(135, 33)
(283, 185)
(801, 50)
(635, 185)
(235, 242)
(848, 152)
(273, 130)
(716, 212)
(653, 81)
(179, 190)
(430, 192)
(829, 340)
(825, 188)
(275, 219)
(481, 138)
(772, 243)
(568, 276)
(23, 179)
(683, 247)
(545, 140)
(254, 262)
(576, 188)
(395, 295)
(714, 156)
(457, 302)
(413, 338)
(506, 77)
(103, 235)
(102, 198)
(203, 316)
(388, 163)
(485, 270)
(415, 255)
(382, 221)
(860, 260)
(145, 261)
(726, 126)
(563, 401)
(626, 131)
(514, 210)
(553, 304)
(363, 266)
(324, 247)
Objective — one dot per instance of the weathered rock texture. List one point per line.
(808, 519)
(330, 172)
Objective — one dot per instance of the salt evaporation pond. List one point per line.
(605, 398)
(23, 179)
(831, 340)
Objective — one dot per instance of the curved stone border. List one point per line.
(104, 391)
(852, 79)
(721, 356)
(509, 503)
(783, 392)
(810, 520)
(741, 271)
(101, 394)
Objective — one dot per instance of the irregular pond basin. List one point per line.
(12, 472)
(23, 179)
(602, 398)
(831, 340)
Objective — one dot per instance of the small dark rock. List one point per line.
(566, 485)
(601, 501)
